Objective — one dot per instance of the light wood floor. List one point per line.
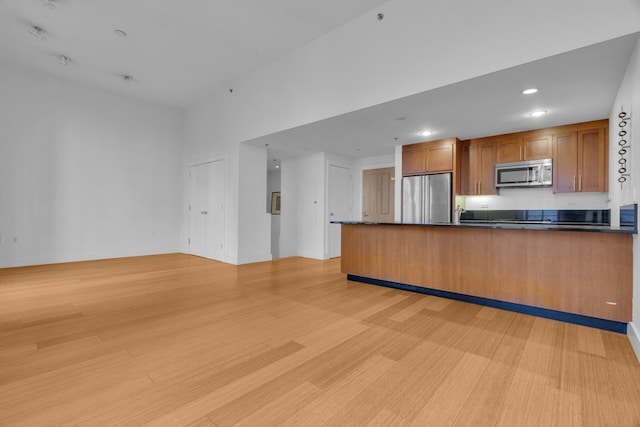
(175, 340)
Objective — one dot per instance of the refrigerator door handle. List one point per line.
(426, 199)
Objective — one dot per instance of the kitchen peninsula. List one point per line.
(579, 274)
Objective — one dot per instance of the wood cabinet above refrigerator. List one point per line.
(428, 157)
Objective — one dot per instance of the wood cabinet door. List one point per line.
(414, 160)
(537, 148)
(477, 168)
(486, 169)
(592, 160)
(440, 157)
(565, 162)
(467, 169)
(509, 150)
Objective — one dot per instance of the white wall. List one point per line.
(84, 174)
(288, 217)
(254, 234)
(629, 99)
(303, 206)
(341, 162)
(273, 185)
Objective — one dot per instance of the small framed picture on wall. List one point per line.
(275, 203)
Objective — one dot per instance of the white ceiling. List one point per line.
(179, 51)
(576, 86)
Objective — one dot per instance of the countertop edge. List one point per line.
(510, 226)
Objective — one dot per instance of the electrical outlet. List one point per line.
(484, 205)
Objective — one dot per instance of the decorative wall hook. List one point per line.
(623, 146)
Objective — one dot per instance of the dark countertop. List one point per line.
(591, 220)
(512, 226)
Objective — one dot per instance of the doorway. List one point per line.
(206, 210)
(339, 205)
(378, 195)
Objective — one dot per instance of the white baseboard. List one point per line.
(244, 260)
(255, 258)
(634, 337)
(28, 261)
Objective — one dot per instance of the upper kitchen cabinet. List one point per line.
(515, 147)
(414, 159)
(428, 157)
(477, 167)
(580, 158)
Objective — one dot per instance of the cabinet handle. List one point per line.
(521, 153)
(580, 182)
(574, 183)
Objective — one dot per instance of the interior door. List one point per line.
(197, 209)
(339, 205)
(378, 192)
(206, 233)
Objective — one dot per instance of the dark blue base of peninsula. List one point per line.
(577, 319)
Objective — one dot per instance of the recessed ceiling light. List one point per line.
(38, 32)
(127, 78)
(120, 33)
(538, 113)
(64, 60)
(529, 91)
(426, 133)
(49, 4)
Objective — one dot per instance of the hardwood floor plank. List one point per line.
(177, 340)
(202, 422)
(450, 399)
(485, 402)
(73, 409)
(355, 374)
(591, 343)
(386, 418)
(277, 411)
(170, 404)
(341, 393)
(418, 303)
(403, 389)
(226, 394)
(530, 401)
(45, 391)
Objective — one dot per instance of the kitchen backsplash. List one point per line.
(537, 198)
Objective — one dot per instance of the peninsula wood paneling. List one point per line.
(585, 273)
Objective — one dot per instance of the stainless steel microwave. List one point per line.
(534, 173)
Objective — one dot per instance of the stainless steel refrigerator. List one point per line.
(426, 198)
